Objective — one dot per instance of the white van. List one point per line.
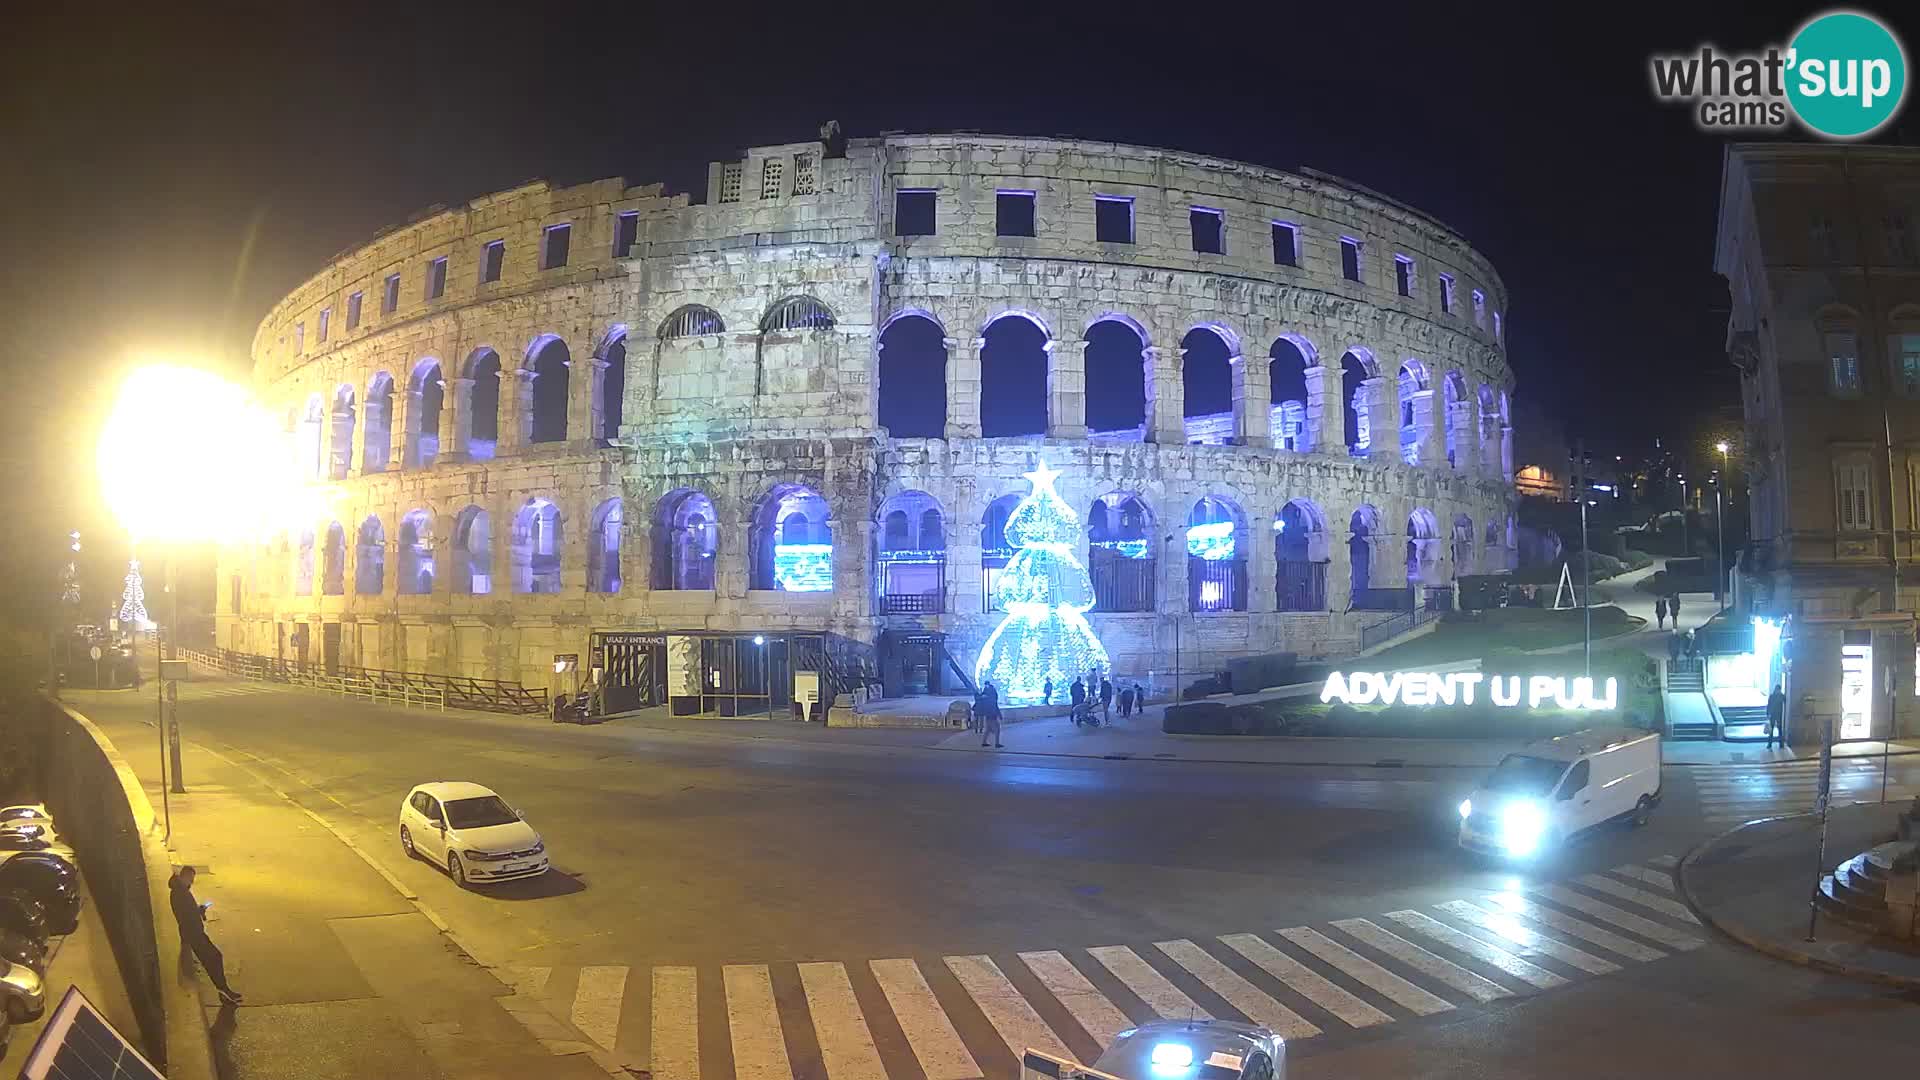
(1537, 798)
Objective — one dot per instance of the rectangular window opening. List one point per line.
(554, 243)
(1113, 219)
(492, 258)
(1446, 294)
(353, 310)
(1479, 308)
(1906, 362)
(1013, 213)
(390, 297)
(1403, 275)
(772, 174)
(437, 278)
(299, 338)
(325, 325)
(730, 182)
(914, 213)
(1209, 230)
(626, 231)
(1350, 258)
(1843, 359)
(1286, 244)
(803, 174)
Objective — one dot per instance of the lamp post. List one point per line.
(1720, 533)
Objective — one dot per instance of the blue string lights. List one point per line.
(1046, 594)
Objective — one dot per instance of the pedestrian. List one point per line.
(1078, 692)
(1673, 646)
(1126, 702)
(1673, 609)
(1660, 612)
(192, 917)
(559, 708)
(1106, 698)
(1046, 691)
(990, 715)
(1693, 646)
(1776, 717)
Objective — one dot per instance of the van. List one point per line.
(1553, 789)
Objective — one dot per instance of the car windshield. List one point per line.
(1523, 775)
(479, 813)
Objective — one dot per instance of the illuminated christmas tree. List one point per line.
(133, 600)
(1045, 593)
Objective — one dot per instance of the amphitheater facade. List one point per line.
(710, 447)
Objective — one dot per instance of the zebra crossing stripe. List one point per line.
(1308, 983)
(1097, 1016)
(753, 1022)
(1372, 975)
(1252, 1002)
(1625, 920)
(1567, 924)
(1479, 950)
(1651, 877)
(938, 1047)
(1019, 1026)
(1664, 862)
(676, 1023)
(1639, 896)
(846, 1044)
(1419, 959)
(528, 980)
(1147, 984)
(1506, 926)
(596, 1003)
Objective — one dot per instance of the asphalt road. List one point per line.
(720, 854)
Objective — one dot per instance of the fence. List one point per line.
(388, 687)
(1389, 629)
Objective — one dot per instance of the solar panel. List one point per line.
(79, 1044)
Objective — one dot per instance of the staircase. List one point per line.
(1751, 719)
(1687, 675)
(1856, 892)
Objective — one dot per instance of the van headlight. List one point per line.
(1522, 824)
(1171, 1057)
(1466, 808)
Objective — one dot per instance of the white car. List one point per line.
(471, 831)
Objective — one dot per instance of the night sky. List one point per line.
(168, 173)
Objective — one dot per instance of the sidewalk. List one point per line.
(1753, 885)
(82, 959)
(343, 975)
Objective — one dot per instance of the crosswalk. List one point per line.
(192, 691)
(969, 1017)
(1735, 794)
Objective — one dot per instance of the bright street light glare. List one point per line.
(1722, 447)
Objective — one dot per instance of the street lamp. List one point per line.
(1720, 533)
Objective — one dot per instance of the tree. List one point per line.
(133, 600)
(1046, 594)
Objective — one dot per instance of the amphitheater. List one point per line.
(762, 444)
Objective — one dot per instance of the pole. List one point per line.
(160, 729)
(173, 648)
(1586, 567)
(1820, 857)
(1719, 552)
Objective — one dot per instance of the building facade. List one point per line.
(555, 416)
(1819, 247)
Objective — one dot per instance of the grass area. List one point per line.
(1469, 634)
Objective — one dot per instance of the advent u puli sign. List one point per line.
(1464, 687)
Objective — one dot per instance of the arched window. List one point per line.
(333, 562)
(1363, 530)
(428, 390)
(483, 424)
(1013, 377)
(549, 362)
(1116, 379)
(416, 553)
(996, 551)
(685, 540)
(536, 548)
(1492, 545)
(913, 378)
(691, 320)
(1490, 423)
(613, 385)
(312, 424)
(1122, 550)
(1356, 400)
(340, 441)
(603, 548)
(303, 565)
(1412, 380)
(796, 313)
(1462, 550)
(1287, 365)
(1423, 542)
(370, 558)
(473, 552)
(377, 444)
(1206, 375)
(793, 541)
(912, 556)
(1216, 556)
(1300, 557)
(1456, 398)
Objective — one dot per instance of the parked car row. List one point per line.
(39, 899)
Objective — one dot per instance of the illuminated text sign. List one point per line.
(1425, 688)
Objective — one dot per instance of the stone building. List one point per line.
(604, 420)
(1819, 246)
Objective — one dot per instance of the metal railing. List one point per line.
(1388, 629)
(375, 684)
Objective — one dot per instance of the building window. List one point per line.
(324, 325)
(913, 213)
(1013, 213)
(730, 182)
(1853, 480)
(803, 174)
(492, 258)
(1897, 229)
(1350, 258)
(1446, 294)
(626, 230)
(1479, 308)
(1403, 275)
(390, 297)
(554, 243)
(1113, 219)
(299, 338)
(1820, 237)
(1286, 244)
(1843, 364)
(437, 278)
(772, 172)
(353, 310)
(1209, 231)
(1498, 331)
(1906, 361)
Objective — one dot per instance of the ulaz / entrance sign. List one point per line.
(1461, 687)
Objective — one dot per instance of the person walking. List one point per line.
(990, 716)
(192, 917)
(1776, 717)
(1673, 646)
(1126, 701)
(1673, 609)
(1660, 612)
(1046, 691)
(1106, 699)
(1693, 646)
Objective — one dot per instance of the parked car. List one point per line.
(471, 831)
(15, 836)
(49, 879)
(30, 813)
(21, 913)
(24, 995)
(18, 948)
(1553, 789)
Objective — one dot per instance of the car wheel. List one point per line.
(456, 869)
(406, 841)
(1641, 811)
(17, 1011)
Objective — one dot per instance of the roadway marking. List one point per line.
(676, 1023)
(942, 1055)
(1665, 862)
(753, 1021)
(1304, 980)
(1655, 878)
(596, 1003)
(1147, 984)
(1479, 950)
(1506, 926)
(1419, 959)
(1097, 1016)
(846, 1044)
(1019, 1026)
(528, 980)
(1252, 1002)
(1625, 920)
(1567, 924)
(1639, 896)
(1368, 973)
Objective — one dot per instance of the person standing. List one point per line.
(192, 917)
(1106, 698)
(1776, 717)
(990, 715)
(1673, 609)
(1046, 691)
(1126, 701)
(1660, 612)
(1078, 692)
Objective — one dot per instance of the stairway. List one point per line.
(1689, 717)
(1856, 892)
(1684, 676)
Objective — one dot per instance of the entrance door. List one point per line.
(279, 641)
(634, 670)
(330, 647)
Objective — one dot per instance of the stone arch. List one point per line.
(313, 422)
(1288, 359)
(1301, 555)
(1411, 381)
(548, 360)
(603, 547)
(691, 320)
(996, 550)
(610, 383)
(303, 565)
(1460, 549)
(1207, 353)
(370, 557)
(913, 376)
(333, 561)
(426, 392)
(377, 441)
(1423, 541)
(1357, 372)
(417, 569)
(483, 403)
(1015, 375)
(340, 421)
(799, 312)
(686, 541)
(537, 547)
(1123, 546)
(912, 555)
(1216, 542)
(1456, 406)
(1490, 419)
(1118, 387)
(1363, 535)
(473, 552)
(792, 538)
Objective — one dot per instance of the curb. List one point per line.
(1764, 946)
